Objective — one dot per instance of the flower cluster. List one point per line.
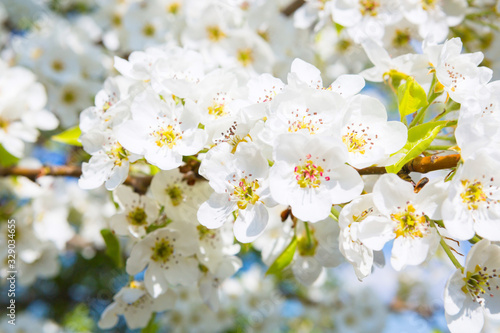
(216, 134)
(22, 113)
(265, 145)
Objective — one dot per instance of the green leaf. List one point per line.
(152, 326)
(419, 138)
(69, 136)
(112, 247)
(284, 258)
(6, 158)
(339, 28)
(79, 320)
(411, 97)
(153, 169)
(394, 78)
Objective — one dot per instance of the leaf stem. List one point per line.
(308, 234)
(420, 114)
(334, 214)
(446, 249)
(475, 239)
(431, 96)
(444, 137)
(438, 147)
(449, 107)
(453, 259)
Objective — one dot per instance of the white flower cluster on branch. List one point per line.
(261, 142)
(256, 130)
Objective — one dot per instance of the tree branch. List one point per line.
(141, 183)
(419, 164)
(432, 163)
(292, 7)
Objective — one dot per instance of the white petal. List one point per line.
(165, 301)
(251, 223)
(345, 184)
(139, 257)
(154, 281)
(410, 251)
(164, 157)
(132, 136)
(391, 192)
(454, 297)
(309, 204)
(95, 172)
(306, 270)
(489, 227)
(457, 220)
(185, 272)
(306, 72)
(375, 231)
(119, 224)
(192, 142)
(109, 317)
(469, 320)
(348, 85)
(117, 176)
(214, 212)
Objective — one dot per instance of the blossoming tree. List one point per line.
(213, 137)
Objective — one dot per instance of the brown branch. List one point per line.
(432, 163)
(292, 7)
(419, 164)
(371, 171)
(33, 174)
(141, 183)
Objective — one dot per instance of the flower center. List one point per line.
(68, 97)
(148, 30)
(118, 154)
(477, 283)
(116, 20)
(473, 194)
(306, 247)
(106, 106)
(369, 7)
(454, 76)
(217, 110)
(410, 224)
(167, 137)
(245, 193)
(215, 33)
(302, 124)
(137, 217)
(343, 45)
(401, 38)
(58, 65)
(204, 232)
(428, 4)
(162, 250)
(173, 8)
(245, 56)
(309, 174)
(4, 124)
(355, 142)
(175, 193)
(135, 285)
